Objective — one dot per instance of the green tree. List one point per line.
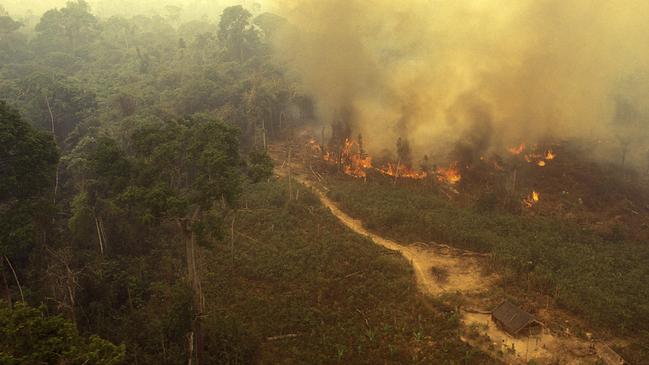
(28, 336)
(13, 45)
(70, 27)
(8, 25)
(56, 102)
(27, 166)
(238, 36)
(260, 166)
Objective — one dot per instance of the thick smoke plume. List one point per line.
(509, 71)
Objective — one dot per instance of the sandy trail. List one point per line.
(463, 274)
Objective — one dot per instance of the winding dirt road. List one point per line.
(463, 274)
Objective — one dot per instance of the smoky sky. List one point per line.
(535, 69)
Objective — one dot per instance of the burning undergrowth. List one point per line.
(555, 179)
(352, 160)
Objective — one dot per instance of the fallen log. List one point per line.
(281, 337)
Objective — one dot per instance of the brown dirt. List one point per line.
(464, 274)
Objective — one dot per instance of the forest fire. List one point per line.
(549, 155)
(450, 175)
(517, 150)
(401, 170)
(539, 159)
(531, 200)
(356, 162)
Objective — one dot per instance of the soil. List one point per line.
(441, 269)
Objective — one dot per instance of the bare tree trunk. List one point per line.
(195, 337)
(20, 288)
(67, 282)
(99, 237)
(7, 291)
(396, 172)
(290, 178)
(49, 108)
(190, 349)
(56, 179)
(103, 232)
(263, 136)
(232, 243)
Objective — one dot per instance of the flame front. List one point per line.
(450, 175)
(533, 199)
(401, 170)
(355, 161)
(549, 155)
(517, 150)
(540, 159)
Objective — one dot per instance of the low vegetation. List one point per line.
(304, 289)
(601, 280)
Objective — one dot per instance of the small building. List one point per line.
(514, 320)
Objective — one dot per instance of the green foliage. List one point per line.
(27, 157)
(293, 269)
(260, 166)
(69, 27)
(238, 36)
(28, 336)
(196, 157)
(8, 25)
(600, 281)
(27, 162)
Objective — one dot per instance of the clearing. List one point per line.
(442, 270)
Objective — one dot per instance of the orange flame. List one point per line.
(450, 175)
(517, 150)
(549, 155)
(541, 163)
(355, 162)
(401, 170)
(531, 200)
(328, 156)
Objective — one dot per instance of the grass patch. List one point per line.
(295, 270)
(602, 281)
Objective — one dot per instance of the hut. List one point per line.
(514, 320)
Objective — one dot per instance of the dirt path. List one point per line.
(461, 273)
(441, 269)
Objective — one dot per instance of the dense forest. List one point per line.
(162, 201)
(138, 221)
(124, 144)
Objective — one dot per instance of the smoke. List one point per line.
(442, 72)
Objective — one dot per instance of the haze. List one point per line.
(434, 71)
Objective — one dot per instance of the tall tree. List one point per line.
(28, 336)
(70, 27)
(27, 166)
(403, 152)
(238, 36)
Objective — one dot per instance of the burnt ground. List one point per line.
(442, 270)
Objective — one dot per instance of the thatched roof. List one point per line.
(512, 318)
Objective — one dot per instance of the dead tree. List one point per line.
(193, 277)
(64, 281)
(290, 178)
